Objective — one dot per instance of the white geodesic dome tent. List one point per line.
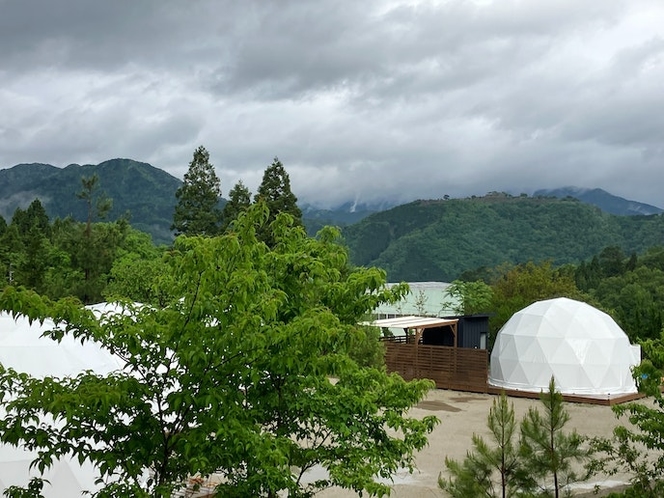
(582, 347)
(23, 349)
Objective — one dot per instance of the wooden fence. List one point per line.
(462, 369)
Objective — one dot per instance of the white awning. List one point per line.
(413, 322)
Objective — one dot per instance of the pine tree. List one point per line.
(490, 471)
(197, 211)
(547, 451)
(275, 192)
(239, 200)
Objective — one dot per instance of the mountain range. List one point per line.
(422, 240)
(444, 239)
(145, 192)
(607, 202)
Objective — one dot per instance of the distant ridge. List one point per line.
(440, 240)
(607, 202)
(146, 192)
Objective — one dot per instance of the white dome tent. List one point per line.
(23, 349)
(583, 348)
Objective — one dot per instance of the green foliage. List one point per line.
(421, 302)
(68, 258)
(637, 448)
(96, 205)
(490, 470)
(539, 464)
(636, 298)
(244, 371)
(239, 200)
(473, 297)
(547, 451)
(440, 239)
(525, 284)
(138, 271)
(197, 210)
(275, 192)
(146, 192)
(137, 278)
(33, 490)
(367, 349)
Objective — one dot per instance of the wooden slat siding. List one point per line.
(461, 369)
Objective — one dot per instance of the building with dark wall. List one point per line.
(473, 331)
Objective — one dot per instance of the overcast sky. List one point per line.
(368, 100)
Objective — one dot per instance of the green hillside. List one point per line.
(440, 239)
(145, 192)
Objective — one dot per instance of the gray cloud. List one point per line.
(374, 100)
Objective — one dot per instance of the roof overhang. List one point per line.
(413, 322)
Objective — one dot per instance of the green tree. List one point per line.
(522, 285)
(637, 449)
(472, 297)
(547, 451)
(137, 271)
(245, 372)
(421, 302)
(97, 205)
(612, 261)
(197, 210)
(239, 200)
(33, 229)
(33, 218)
(90, 247)
(12, 254)
(275, 192)
(489, 470)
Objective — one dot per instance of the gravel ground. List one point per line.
(462, 414)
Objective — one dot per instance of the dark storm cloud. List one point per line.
(371, 100)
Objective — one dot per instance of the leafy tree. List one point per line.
(197, 210)
(523, 285)
(638, 448)
(612, 261)
(244, 372)
(547, 451)
(275, 192)
(137, 271)
(90, 246)
(92, 256)
(652, 258)
(490, 470)
(473, 297)
(33, 218)
(239, 200)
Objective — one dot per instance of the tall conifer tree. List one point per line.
(239, 200)
(197, 210)
(275, 191)
(548, 452)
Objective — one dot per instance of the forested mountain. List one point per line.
(607, 202)
(146, 192)
(422, 240)
(441, 239)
